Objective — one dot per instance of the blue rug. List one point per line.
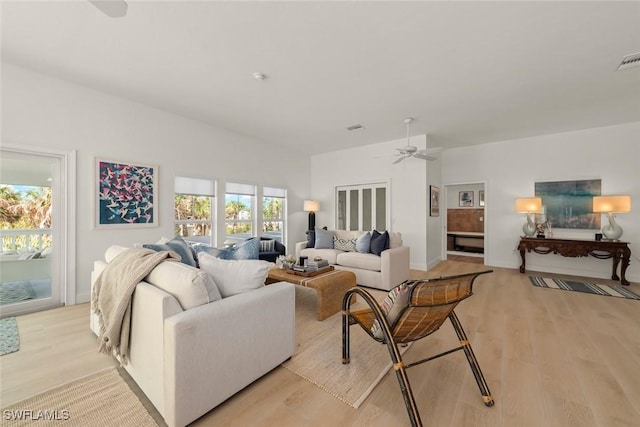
(9, 336)
(586, 287)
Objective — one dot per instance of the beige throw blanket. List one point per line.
(112, 291)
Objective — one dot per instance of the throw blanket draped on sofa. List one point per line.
(112, 291)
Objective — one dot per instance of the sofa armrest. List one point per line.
(300, 246)
(394, 266)
(215, 350)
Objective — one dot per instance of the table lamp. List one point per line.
(529, 205)
(611, 205)
(312, 207)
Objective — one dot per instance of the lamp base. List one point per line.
(529, 228)
(612, 231)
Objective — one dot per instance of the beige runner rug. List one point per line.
(100, 399)
(318, 357)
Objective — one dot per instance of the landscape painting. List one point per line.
(568, 204)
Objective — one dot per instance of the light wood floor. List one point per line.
(551, 358)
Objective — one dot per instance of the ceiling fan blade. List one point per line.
(400, 159)
(422, 154)
(111, 8)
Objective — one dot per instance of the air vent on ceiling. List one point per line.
(354, 128)
(629, 61)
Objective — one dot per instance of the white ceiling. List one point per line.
(470, 72)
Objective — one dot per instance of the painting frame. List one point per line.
(465, 199)
(481, 198)
(125, 194)
(568, 204)
(434, 200)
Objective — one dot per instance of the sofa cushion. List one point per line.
(249, 249)
(395, 239)
(177, 245)
(363, 243)
(190, 286)
(328, 254)
(324, 239)
(358, 260)
(344, 244)
(234, 276)
(392, 307)
(379, 242)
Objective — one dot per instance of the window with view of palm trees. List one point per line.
(25, 208)
(273, 213)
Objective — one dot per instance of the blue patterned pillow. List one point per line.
(249, 249)
(177, 245)
(348, 245)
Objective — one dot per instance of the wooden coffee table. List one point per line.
(330, 287)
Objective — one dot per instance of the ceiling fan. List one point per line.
(111, 8)
(411, 150)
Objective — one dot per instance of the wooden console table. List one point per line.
(603, 249)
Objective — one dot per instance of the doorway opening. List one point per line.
(465, 222)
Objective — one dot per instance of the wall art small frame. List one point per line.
(434, 201)
(481, 198)
(465, 199)
(125, 194)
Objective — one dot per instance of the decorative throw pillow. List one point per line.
(324, 239)
(311, 238)
(363, 243)
(234, 276)
(379, 242)
(392, 307)
(189, 285)
(177, 245)
(348, 245)
(267, 245)
(249, 249)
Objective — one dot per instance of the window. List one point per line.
(238, 211)
(363, 207)
(194, 207)
(273, 212)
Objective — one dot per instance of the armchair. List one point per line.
(270, 252)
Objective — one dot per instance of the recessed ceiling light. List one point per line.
(259, 76)
(630, 61)
(354, 128)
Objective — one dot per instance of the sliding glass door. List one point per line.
(31, 252)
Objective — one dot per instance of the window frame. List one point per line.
(373, 196)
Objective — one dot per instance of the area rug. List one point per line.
(318, 358)
(590, 288)
(9, 336)
(12, 292)
(100, 399)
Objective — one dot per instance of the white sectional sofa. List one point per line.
(187, 354)
(385, 271)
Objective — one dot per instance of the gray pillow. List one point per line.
(177, 245)
(363, 243)
(324, 239)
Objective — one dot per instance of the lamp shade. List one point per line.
(529, 205)
(612, 204)
(311, 206)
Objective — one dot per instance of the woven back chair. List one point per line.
(430, 303)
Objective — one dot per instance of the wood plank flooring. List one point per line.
(551, 358)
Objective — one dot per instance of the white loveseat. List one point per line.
(381, 272)
(188, 361)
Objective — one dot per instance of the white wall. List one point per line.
(45, 112)
(511, 168)
(373, 163)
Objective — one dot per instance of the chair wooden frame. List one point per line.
(431, 302)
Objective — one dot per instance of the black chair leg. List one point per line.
(405, 386)
(471, 358)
